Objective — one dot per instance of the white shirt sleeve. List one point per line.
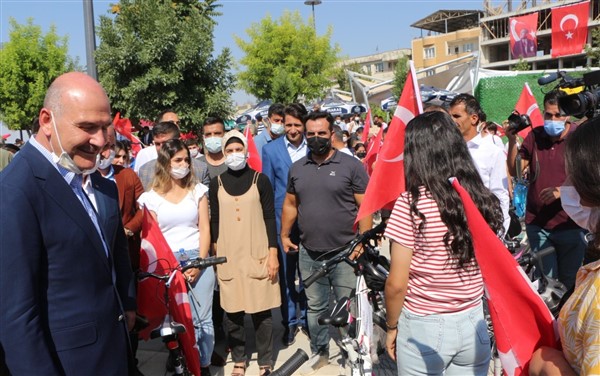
(200, 190)
(499, 186)
(148, 199)
(585, 217)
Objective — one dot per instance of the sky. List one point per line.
(359, 27)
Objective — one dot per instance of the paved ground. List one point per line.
(152, 355)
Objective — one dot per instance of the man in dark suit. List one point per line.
(277, 157)
(65, 278)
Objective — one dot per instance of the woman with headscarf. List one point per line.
(243, 230)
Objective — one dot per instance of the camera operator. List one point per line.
(547, 224)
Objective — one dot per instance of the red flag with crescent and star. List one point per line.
(569, 29)
(156, 257)
(518, 331)
(527, 105)
(254, 160)
(387, 181)
(523, 40)
(123, 127)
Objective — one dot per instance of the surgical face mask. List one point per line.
(318, 145)
(236, 161)
(105, 163)
(193, 153)
(356, 120)
(277, 129)
(65, 159)
(213, 144)
(179, 172)
(361, 154)
(338, 122)
(554, 127)
(345, 139)
(584, 216)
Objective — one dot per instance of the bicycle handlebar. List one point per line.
(372, 234)
(533, 258)
(196, 263)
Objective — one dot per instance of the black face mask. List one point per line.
(318, 145)
(361, 154)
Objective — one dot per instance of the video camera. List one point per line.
(518, 122)
(582, 94)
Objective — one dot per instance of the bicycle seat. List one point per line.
(167, 330)
(338, 316)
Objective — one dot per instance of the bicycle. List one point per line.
(170, 330)
(362, 313)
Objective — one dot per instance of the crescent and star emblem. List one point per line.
(405, 115)
(569, 34)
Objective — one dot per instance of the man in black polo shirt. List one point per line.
(324, 191)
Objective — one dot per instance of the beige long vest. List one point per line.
(243, 279)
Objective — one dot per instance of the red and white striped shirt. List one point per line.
(436, 283)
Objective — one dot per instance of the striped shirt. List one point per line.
(436, 283)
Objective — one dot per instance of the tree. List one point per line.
(593, 51)
(340, 76)
(29, 62)
(158, 54)
(286, 51)
(521, 65)
(400, 74)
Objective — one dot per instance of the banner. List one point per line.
(387, 180)
(528, 105)
(254, 160)
(569, 29)
(123, 127)
(523, 40)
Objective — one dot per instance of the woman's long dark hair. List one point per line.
(435, 151)
(582, 162)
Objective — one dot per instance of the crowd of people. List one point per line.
(71, 218)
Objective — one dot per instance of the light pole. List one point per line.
(90, 37)
(312, 3)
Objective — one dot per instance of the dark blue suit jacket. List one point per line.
(61, 298)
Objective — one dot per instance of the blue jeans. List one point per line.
(292, 299)
(201, 297)
(341, 279)
(569, 246)
(443, 344)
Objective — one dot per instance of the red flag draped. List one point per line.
(387, 180)
(366, 129)
(156, 257)
(523, 40)
(528, 105)
(569, 29)
(254, 160)
(522, 322)
(374, 147)
(123, 127)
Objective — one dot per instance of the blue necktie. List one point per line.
(77, 185)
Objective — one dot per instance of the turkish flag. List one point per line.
(123, 127)
(373, 151)
(528, 105)
(156, 257)
(367, 128)
(254, 160)
(523, 40)
(387, 181)
(522, 322)
(569, 29)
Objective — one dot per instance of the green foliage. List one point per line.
(29, 61)
(400, 76)
(158, 54)
(340, 77)
(376, 110)
(593, 51)
(522, 65)
(291, 46)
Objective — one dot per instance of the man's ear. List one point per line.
(474, 119)
(45, 119)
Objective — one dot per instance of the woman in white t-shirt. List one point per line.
(434, 290)
(180, 206)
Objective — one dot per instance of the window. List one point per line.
(378, 67)
(468, 47)
(429, 52)
(430, 73)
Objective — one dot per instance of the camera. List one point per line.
(584, 93)
(518, 122)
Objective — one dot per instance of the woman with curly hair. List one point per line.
(434, 291)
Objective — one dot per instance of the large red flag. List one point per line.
(522, 322)
(254, 160)
(367, 128)
(523, 40)
(123, 127)
(373, 151)
(528, 105)
(569, 29)
(387, 180)
(156, 257)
